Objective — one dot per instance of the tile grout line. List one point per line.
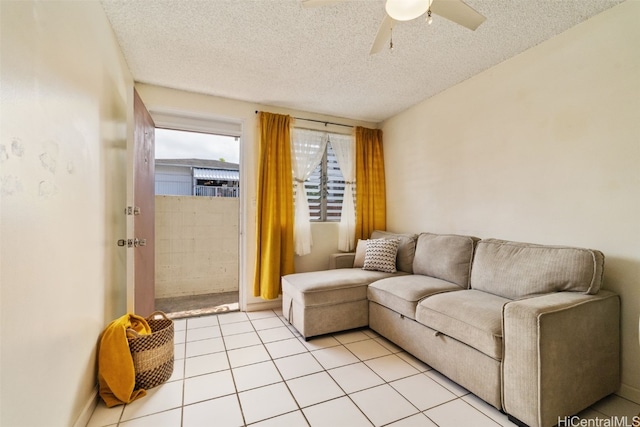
(184, 369)
(373, 338)
(120, 420)
(385, 382)
(307, 350)
(233, 378)
(226, 350)
(348, 395)
(281, 376)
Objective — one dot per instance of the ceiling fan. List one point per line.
(405, 10)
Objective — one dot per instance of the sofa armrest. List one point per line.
(341, 260)
(561, 354)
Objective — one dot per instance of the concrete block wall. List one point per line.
(196, 245)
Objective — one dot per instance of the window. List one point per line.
(325, 188)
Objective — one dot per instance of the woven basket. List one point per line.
(152, 354)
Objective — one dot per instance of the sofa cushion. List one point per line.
(330, 286)
(518, 270)
(470, 316)
(406, 249)
(361, 249)
(402, 294)
(445, 256)
(381, 255)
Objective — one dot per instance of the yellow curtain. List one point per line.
(274, 204)
(371, 208)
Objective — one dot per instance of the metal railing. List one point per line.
(204, 190)
(169, 188)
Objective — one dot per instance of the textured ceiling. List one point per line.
(277, 52)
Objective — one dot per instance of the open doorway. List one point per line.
(197, 204)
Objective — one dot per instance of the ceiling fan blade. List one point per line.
(458, 12)
(383, 36)
(318, 3)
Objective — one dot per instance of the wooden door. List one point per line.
(143, 209)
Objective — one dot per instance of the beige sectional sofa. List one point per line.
(524, 327)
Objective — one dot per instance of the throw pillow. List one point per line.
(380, 255)
(361, 248)
(406, 248)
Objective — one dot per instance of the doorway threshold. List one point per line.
(198, 305)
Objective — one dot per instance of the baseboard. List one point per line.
(266, 305)
(88, 409)
(629, 393)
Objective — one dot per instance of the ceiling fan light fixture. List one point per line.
(406, 10)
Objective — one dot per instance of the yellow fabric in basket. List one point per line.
(116, 373)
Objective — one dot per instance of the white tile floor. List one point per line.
(239, 369)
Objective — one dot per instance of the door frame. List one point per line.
(195, 122)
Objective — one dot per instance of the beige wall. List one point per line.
(66, 94)
(543, 148)
(324, 236)
(196, 245)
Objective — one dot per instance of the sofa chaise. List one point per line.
(525, 327)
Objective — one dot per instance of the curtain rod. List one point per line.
(318, 121)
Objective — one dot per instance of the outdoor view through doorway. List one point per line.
(197, 187)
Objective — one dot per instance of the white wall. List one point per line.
(173, 180)
(66, 94)
(185, 103)
(324, 236)
(196, 245)
(543, 148)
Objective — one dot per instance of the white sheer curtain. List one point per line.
(344, 147)
(307, 148)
